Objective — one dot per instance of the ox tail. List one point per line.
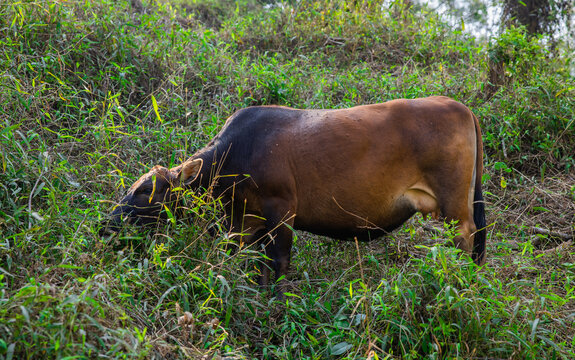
(480, 237)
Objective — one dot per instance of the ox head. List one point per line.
(145, 200)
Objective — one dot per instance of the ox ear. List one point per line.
(190, 170)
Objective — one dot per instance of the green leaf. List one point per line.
(291, 295)
(501, 166)
(534, 328)
(228, 315)
(170, 215)
(340, 348)
(155, 104)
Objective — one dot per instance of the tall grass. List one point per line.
(94, 93)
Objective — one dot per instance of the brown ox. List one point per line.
(352, 172)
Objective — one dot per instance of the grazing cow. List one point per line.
(357, 172)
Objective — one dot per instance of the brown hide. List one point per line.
(360, 171)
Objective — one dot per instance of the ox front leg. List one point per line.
(278, 243)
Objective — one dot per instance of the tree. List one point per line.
(538, 16)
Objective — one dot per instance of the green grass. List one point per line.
(92, 94)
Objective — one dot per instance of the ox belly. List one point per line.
(364, 219)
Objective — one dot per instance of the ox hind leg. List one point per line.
(453, 204)
(456, 205)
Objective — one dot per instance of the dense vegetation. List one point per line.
(94, 93)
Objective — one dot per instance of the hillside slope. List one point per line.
(94, 93)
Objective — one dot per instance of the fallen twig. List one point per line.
(554, 234)
(561, 246)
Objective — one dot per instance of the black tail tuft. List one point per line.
(479, 218)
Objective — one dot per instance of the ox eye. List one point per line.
(143, 191)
